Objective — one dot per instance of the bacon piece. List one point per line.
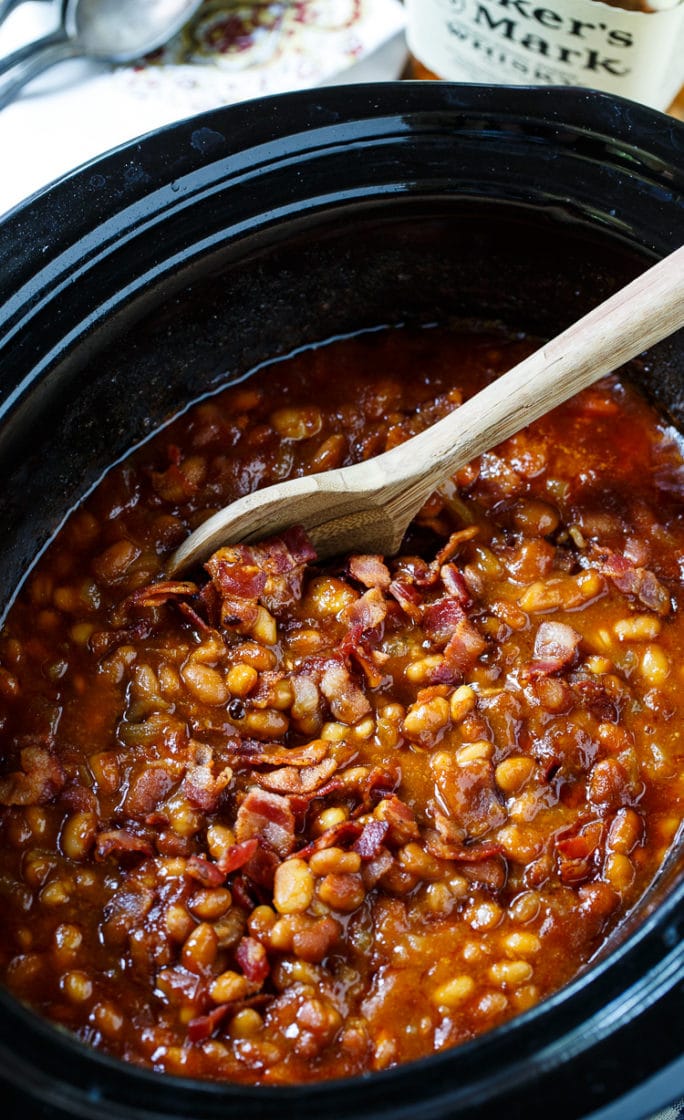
(469, 794)
(459, 537)
(252, 959)
(455, 585)
(156, 594)
(400, 819)
(442, 848)
(102, 642)
(460, 654)
(579, 853)
(262, 866)
(40, 779)
(370, 842)
(195, 619)
(205, 872)
(202, 788)
(237, 855)
(370, 570)
(268, 816)
(375, 868)
(408, 597)
(335, 837)
(204, 1026)
(270, 573)
(638, 582)
(347, 701)
(367, 612)
(249, 752)
(555, 646)
(441, 618)
(146, 789)
(303, 782)
(120, 841)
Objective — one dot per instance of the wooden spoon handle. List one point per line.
(639, 315)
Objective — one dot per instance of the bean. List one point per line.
(513, 772)
(535, 518)
(78, 835)
(229, 987)
(472, 752)
(208, 905)
(112, 564)
(425, 719)
(266, 724)
(293, 887)
(422, 670)
(618, 870)
(625, 831)
(638, 628)
(68, 940)
(342, 892)
(241, 679)
(177, 922)
(264, 629)
(220, 839)
(327, 597)
(200, 949)
(108, 1019)
(55, 893)
(328, 818)
(315, 942)
(205, 683)
(334, 859)
(655, 667)
(525, 997)
(522, 942)
(453, 991)
(485, 915)
(329, 455)
(246, 1024)
(77, 986)
(510, 973)
(461, 703)
(297, 423)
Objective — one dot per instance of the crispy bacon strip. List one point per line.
(203, 1026)
(267, 815)
(237, 856)
(119, 841)
(555, 646)
(370, 570)
(155, 594)
(270, 573)
(200, 785)
(302, 782)
(252, 959)
(205, 872)
(639, 582)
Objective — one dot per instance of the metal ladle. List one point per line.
(102, 30)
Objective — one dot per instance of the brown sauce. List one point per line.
(281, 821)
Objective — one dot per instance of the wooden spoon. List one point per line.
(367, 507)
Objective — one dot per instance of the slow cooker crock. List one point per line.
(192, 256)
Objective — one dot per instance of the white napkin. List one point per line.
(79, 109)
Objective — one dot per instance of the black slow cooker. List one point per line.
(186, 259)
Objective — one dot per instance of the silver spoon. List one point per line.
(367, 507)
(103, 30)
(7, 6)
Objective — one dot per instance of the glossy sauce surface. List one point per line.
(281, 821)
